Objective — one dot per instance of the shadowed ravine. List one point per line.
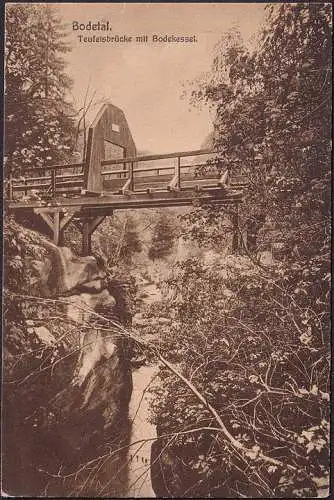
(69, 411)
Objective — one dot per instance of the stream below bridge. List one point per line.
(134, 478)
(127, 474)
(139, 455)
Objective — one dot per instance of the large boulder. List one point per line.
(80, 307)
(76, 271)
(58, 271)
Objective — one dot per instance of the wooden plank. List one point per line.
(162, 180)
(52, 219)
(66, 219)
(87, 228)
(138, 200)
(115, 172)
(45, 186)
(126, 188)
(131, 177)
(223, 181)
(159, 203)
(10, 187)
(196, 152)
(56, 167)
(94, 224)
(57, 233)
(88, 156)
(86, 239)
(59, 182)
(173, 185)
(94, 179)
(28, 179)
(64, 196)
(186, 186)
(184, 177)
(48, 178)
(154, 169)
(23, 187)
(178, 173)
(70, 176)
(46, 217)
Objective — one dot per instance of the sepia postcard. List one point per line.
(167, 250)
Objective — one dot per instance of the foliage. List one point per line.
(38, 114)
(239, 336)
(162, 238)
(117, 240)
(122, 286)
(20, 244)
(254, 340)
(210, 226)
(277, 100)
(131, 243)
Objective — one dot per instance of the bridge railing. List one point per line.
(50, 183)
(174, 177)
(131, 167)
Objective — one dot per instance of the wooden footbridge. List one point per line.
(85, 193)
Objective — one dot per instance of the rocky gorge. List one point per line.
(67, 374)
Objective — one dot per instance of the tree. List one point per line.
(276, 99)
(254, 340)
(118, 240)
(162, 238)
(131, 243)
(38, 115)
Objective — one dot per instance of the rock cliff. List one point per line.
(67, 377)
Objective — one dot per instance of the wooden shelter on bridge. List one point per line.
(85, 193)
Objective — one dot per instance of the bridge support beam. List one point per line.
(57, 221)
(87, 228)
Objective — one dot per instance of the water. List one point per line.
(131, 474)
(139, 478)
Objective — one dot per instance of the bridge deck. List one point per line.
(134, 200)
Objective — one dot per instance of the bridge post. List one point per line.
(178, 173)
(10, 187)
(131, 176)
(57, 233)
(53, 181)
(236, 230)
(86, 239)
(87, 229)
